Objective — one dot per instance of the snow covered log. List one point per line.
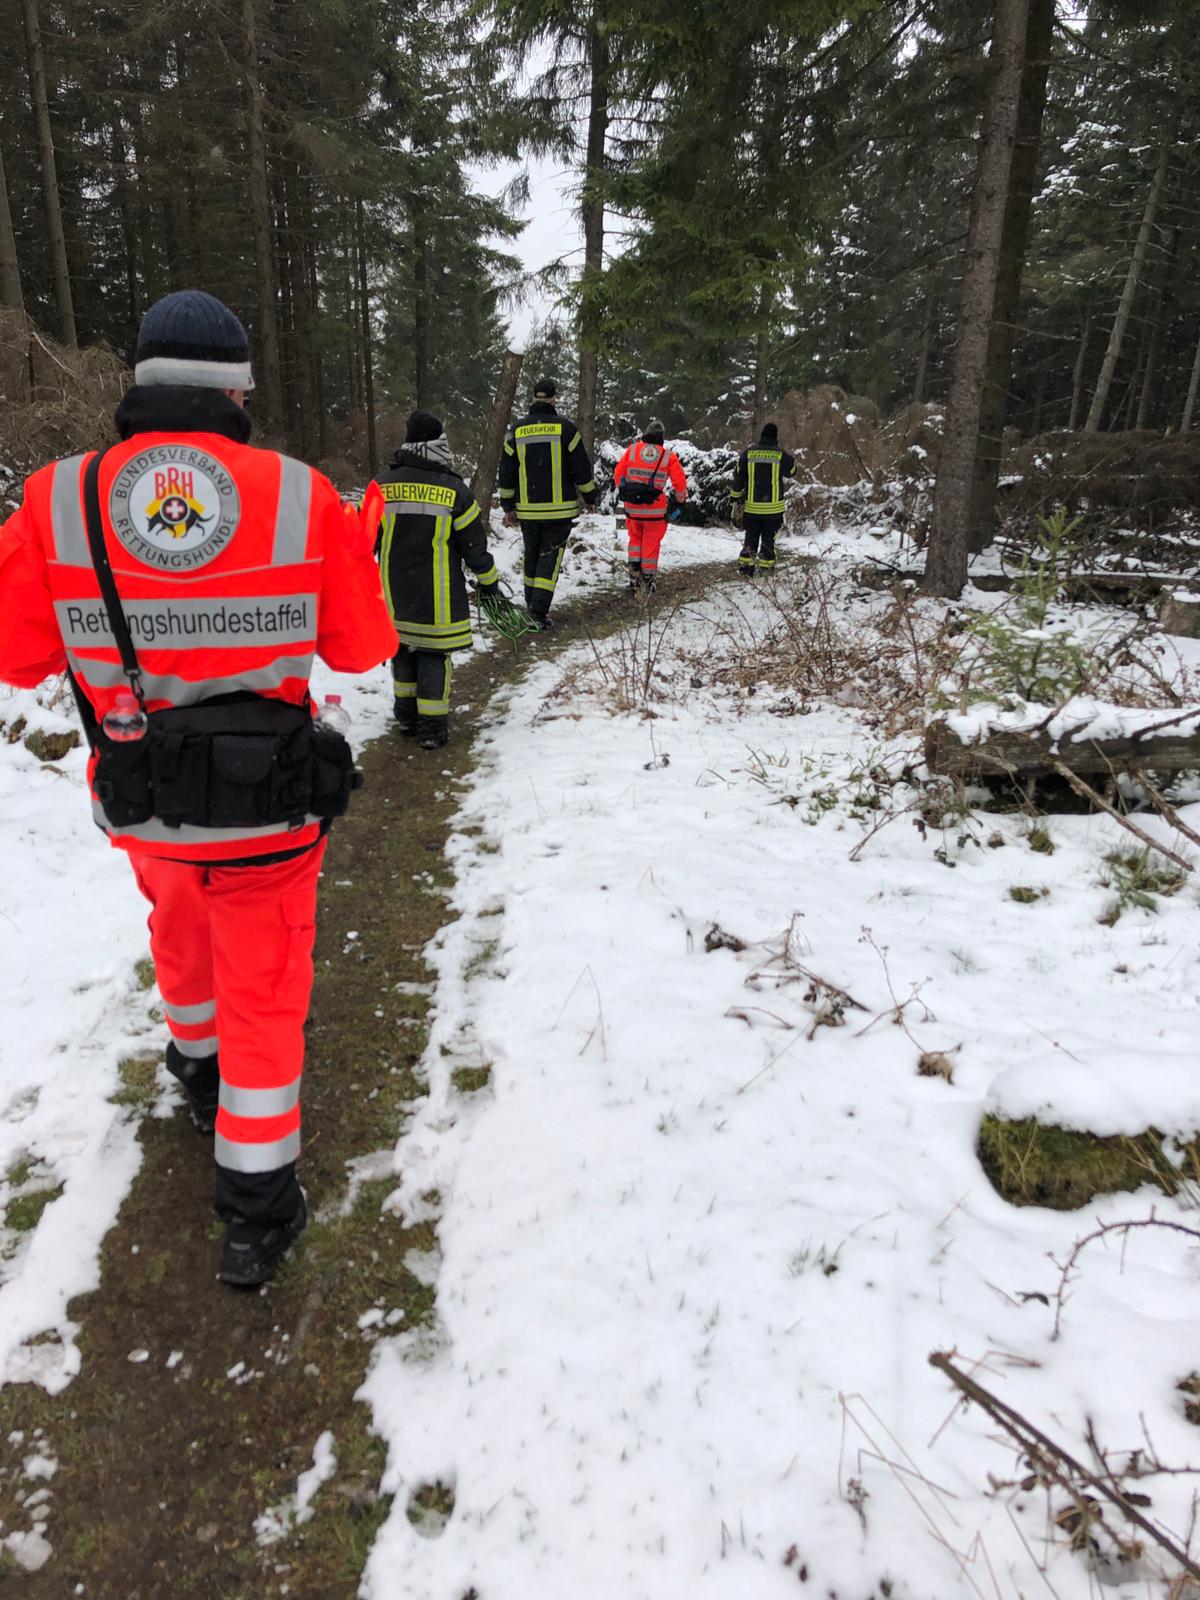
(1032, 753)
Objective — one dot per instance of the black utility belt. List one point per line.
(237, 761)
(639, 494)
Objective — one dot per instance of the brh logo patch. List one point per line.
(174, 507)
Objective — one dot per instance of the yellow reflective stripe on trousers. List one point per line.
(550, 583)
(438, 708)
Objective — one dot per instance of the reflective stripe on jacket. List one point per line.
(234, 566)
(431, 526)
(544, 468)
(656, 466)
(758, 479)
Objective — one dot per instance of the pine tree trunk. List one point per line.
(368, 367)
(133, 293)
(1039, 37)
(1189, 405)
(1125, 307)
(483, 484)
(303, 313)
(592, 208)
(420, 244)
(928, 322)
(946, 561)
(761, 355)
(260, 208)
(10, 270)
(1148, 403)
(50, 192)
(1077, 375)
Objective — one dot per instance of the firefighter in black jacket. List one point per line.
(544, 472)
(757, 496)
(431, 526)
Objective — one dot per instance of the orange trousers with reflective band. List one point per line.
(233, 954)
(645, 540)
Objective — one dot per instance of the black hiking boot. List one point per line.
(200, 1080)
(253, 1250)
(405, 713)
(635, 576)
(543, 621)
(432, 732)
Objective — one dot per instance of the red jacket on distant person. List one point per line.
(235, 565)
(651, 463)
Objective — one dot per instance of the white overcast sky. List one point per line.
(553, 230)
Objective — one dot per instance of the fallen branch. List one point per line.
(1162, 805)
(1101, 1232)
(1051, 1458)
(1085, 790)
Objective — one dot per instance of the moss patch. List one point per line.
(139, 1080)
(51, 746)
(1030, 1163)
(469, 1080)
(23, 1213)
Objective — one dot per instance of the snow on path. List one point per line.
(693, 1261)
(72, 928)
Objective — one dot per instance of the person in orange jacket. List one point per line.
(642, 476)
(232, 566)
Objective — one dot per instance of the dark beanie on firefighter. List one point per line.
(545, 389)
(422, 426)
(191, 340)
(770, 431)
(654, 432)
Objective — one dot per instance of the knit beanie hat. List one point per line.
(191, 339)
(654, 433)
(422, 425)
(545, 389)
(770, 431)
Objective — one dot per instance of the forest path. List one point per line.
(197, 1408)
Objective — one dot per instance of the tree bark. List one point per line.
(760, 381)
(1039, 38)
(1125, 307)
(1148, 402)
(1077, 375)
(1189, 405)
(260, 208)
(420, 244)
(592, 209)
(928, 322)
(483, 484)
(50, 192)
(368, 366)
(946, 561)
(10, 270)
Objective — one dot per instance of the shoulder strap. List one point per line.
(103, 568)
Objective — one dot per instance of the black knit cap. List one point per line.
(422, 426)
(654, 432)
(192, 340)
(770, 430)
(545, 389)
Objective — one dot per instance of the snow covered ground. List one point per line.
(702, 1230)
(73, 930)
(697, 1244)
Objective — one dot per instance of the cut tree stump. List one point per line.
(1179, 613)
(1007, 752)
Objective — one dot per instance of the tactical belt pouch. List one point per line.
(233, 761)
(643, 494)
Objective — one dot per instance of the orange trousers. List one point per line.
(233, 954)
(645, 540)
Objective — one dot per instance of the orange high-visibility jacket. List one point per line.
(654, 465)
(234, 566)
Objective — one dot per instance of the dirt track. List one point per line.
(164, 1463)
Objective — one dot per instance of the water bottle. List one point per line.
(126, 721)
(332, 714)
